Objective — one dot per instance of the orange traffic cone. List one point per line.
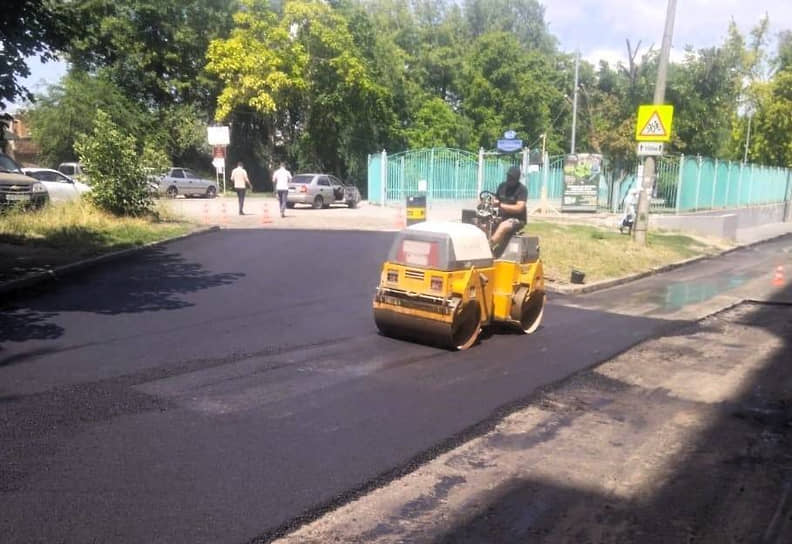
(265, 216)
(778, 279)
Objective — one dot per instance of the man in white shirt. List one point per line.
(240, 178)
(281, 179)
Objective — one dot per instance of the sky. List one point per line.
(599, 28)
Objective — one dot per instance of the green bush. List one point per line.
(110, 158)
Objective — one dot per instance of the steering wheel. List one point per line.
(484, 193)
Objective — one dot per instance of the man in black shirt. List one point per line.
(511, 196)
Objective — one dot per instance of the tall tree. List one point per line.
(153, 50)
(69, 108)
(303, 72)
(523, 18)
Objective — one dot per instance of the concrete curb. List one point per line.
(59, 272)
(605, 284)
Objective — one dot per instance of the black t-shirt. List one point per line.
(513, 196)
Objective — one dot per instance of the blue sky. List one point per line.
(599, 28)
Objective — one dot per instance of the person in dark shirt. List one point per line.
(510, 196)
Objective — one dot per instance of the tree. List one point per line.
(31, 27)
(437, 125)
(111, 159)
(154, 51)
(302, 72)
(522, 18)
(69, 109)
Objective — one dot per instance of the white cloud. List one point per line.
(599, 28)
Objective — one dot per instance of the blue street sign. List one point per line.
(509, 146)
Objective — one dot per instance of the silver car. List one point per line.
(182, 181)
(320, 191)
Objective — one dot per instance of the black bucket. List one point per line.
(577, 276)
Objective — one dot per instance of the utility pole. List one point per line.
(574, 102)
(642, 219)
(748, 136)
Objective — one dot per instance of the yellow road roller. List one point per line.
(441, 284)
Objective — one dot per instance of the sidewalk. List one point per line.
(261, 211)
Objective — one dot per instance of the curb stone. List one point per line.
(605, 284)
(62, 271)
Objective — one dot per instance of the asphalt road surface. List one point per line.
(223, 387)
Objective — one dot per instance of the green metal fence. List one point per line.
(683, 184)
(454, 174)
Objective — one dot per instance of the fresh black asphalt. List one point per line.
(223, 387)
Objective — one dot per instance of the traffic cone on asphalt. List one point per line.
(778, 279)
(265, 216)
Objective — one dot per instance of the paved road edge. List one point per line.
(62, 271)
(605, 284)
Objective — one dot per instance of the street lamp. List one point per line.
(750, 113)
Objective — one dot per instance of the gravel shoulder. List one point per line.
(684, 438)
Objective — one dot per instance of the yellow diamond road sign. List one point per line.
(654, 123)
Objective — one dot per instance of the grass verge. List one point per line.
(35, 240)
(604, 254)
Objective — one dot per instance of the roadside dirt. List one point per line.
(684, 438)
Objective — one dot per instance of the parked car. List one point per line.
(17, 188)
(320, 191)
(74, 170)
(60, 187)
(182, 181)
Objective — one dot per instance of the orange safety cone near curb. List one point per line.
(265, 216)
(778, 279)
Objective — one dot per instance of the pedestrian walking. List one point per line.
(281, 179)
(241, 182)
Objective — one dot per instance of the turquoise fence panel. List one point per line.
(722, 184)
(665, 190)
(375, 178)
(706, 183)
(555, 177)
(689, 185)
(450, 174)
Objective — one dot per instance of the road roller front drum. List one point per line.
(527, 309)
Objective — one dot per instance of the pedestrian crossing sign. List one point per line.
(654, 123)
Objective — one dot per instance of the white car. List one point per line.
(60, 187)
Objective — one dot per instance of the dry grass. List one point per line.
(604, 254)
(39, 239)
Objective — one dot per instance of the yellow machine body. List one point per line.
(449, 304)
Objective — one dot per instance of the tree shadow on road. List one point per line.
(155, 280)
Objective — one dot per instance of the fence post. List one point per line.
(788, 197)
(698, 184)
(679, 183)
(750, 186)
(430, 182)
(480, 179)
(714, 186)
(545, 175)
(384, 176)
(728, 185)
(739, 185)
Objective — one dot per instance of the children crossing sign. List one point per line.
(654, 123)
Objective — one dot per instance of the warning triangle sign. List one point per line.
(654, 127)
